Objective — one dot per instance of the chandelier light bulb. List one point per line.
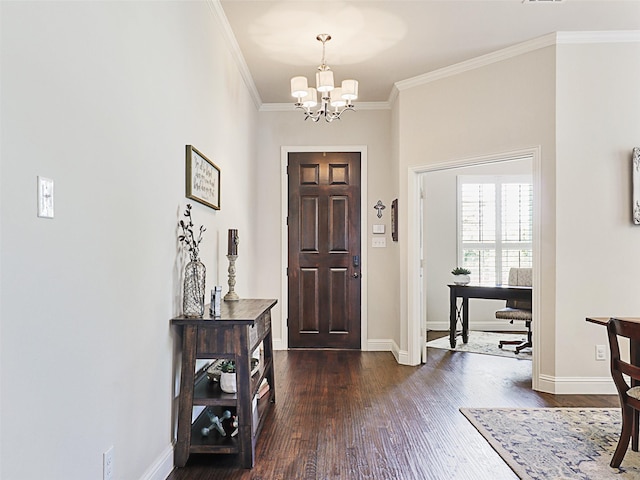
(310, 98)
(337, 98)
(299, 87)
(324, 81)
(350, 89)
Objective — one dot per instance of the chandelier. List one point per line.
(334, 100)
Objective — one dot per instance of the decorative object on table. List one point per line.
(394, 220)
(555, 443)
(216, 423)
(334, 100)
(202, 179)
(214, 370)
(636, 186)
(379, 207)
(215, 307)
(232, 255)
(195, 271)
(228, 376)
(461, 276)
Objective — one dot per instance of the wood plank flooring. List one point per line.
(360, 415)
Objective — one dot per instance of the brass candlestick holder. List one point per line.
(232, 296)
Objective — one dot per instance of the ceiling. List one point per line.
(382, 42)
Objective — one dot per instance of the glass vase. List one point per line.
(193, 294)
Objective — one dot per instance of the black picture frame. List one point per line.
(394, 220)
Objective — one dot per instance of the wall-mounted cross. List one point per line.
(379, 207)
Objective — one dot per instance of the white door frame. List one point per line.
(284, 202)
(414, 323)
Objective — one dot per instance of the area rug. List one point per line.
(486, 343)
(556, 443)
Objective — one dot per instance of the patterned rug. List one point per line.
(486, 343)
(556, 443)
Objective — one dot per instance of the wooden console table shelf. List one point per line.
(240, 329)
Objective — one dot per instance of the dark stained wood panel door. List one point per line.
(324, 250)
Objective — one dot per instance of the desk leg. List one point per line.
(634, 352)
(453, 310)
(185, 399)
(465, 319)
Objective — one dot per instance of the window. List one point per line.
(495, 226)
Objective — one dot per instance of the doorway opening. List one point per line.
(420, 291)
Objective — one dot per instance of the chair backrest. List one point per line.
(630, 330)
(520, 277)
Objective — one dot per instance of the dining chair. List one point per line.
(629, 394)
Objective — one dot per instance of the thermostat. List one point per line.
(378, 228)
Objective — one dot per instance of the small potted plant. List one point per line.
(461, 276)
(228, 376)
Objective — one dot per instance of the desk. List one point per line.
(634, 358)
(498, 292)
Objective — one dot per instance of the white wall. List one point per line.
(597, 268)
(371, 128)
(503, 106)
(102, 97)
(578, 103)
(440, 245)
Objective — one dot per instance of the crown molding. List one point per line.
(551, 39)
(620, 36)
(288, 107)
(478, 62)
(232, 44)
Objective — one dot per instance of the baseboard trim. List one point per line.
(380, 345)
(162, 467)
(576, 385)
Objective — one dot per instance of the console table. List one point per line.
(498, 292)
(240, 329)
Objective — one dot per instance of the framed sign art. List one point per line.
(203, 179)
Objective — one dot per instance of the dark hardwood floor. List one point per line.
(360, 415)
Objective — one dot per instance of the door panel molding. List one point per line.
(340, 176)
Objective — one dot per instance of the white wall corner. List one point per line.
(236, 53)
(162, 467)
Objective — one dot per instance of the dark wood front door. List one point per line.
(324, 250)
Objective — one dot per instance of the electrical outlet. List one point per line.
(107, 464)
(601, 352)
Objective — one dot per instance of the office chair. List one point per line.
(518, 309)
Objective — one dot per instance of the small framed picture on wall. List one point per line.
(394, 220)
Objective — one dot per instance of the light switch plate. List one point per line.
(45, 197)
(378, 228)
(379, 242)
